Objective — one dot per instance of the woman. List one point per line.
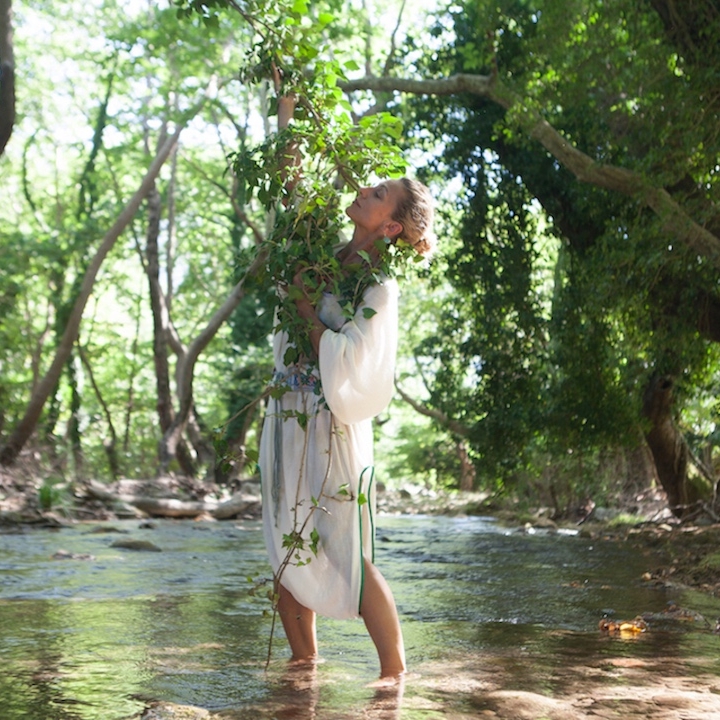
(316, 452)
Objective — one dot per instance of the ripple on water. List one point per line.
(483, 611)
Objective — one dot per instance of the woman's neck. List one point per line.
(351, 253)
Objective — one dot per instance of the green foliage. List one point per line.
(292, 49)
(423, 455)
(75, 160)
(569, 298)
(296, 545)
(50, 495)
(561, 300)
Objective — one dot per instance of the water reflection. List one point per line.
(296, 695)
(301, 692)
(482, 609)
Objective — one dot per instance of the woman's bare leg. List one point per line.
(299, 624)
(378, 610)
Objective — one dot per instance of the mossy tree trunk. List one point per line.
(668, 446)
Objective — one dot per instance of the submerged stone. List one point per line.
(142, 545)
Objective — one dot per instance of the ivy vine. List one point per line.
(338, 151)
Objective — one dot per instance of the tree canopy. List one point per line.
(564, 343)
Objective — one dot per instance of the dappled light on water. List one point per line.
(497, 623)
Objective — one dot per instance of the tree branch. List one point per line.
(186, 363)
(448, 423)
(674, 220)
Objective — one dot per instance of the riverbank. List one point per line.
(679, 553)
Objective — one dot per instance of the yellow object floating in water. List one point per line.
(623, 627)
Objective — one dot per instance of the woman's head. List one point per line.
(396, 209)
(415, 211)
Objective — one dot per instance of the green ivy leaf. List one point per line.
(314, 541)
(295, 293)
(291, 356)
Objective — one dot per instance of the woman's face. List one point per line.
(373, 208)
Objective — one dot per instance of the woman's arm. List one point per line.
(306, 310)
(357, 363)
(286, 110)
(290, 161)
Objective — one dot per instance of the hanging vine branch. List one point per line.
(291, 43)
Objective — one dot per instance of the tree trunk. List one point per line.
(640, 470)
(73, 423)
(236, 448)
(467, 469)
(186, 363)
(28, 423)
(160, 330)
(132, 375)
(667, 445)
(239, 503)
(7, 75)
(110, 443)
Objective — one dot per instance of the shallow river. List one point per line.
(497, 623)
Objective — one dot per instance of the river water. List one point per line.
(497, 623)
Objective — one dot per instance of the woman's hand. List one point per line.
(286, 109)
(307, 311)
(287, 102)
(290, 160)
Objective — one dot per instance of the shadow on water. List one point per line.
(496, 623)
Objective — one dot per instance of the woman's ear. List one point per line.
(393, 229)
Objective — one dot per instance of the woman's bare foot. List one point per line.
(305, 661)
(388, 681)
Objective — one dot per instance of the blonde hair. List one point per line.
(416, 212)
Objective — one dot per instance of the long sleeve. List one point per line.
(357, 363)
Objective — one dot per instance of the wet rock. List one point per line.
(239, 503)
(140, 545)
(545, 523)
(102, 529)
(65, 555)
(170, 711)
(521, 705)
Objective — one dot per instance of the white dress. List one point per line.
(318, 481)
